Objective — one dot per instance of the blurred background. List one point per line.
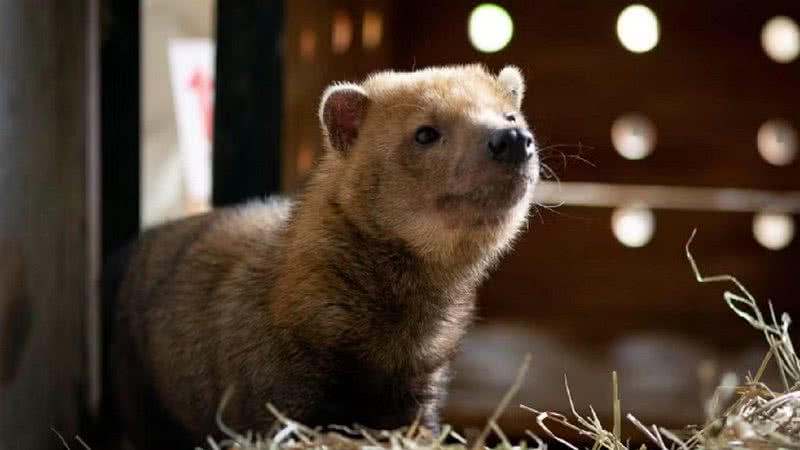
(653, 119)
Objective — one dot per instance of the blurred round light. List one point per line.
(633, 225)
(773, 230)
(637, 28)
(305, 159)
(371, 29)
(490, 28)
(777, 142)
(308, 44)
(341, 33)
(780, 38)
(633, 136)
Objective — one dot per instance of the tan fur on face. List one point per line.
(467, 102)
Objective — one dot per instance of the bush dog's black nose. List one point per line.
(511, 145)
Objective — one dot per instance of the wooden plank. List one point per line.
(120, 127)
(688, 198)
(43, 231)
(120, 167)
(247, 110)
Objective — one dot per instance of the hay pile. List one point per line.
(752, 416)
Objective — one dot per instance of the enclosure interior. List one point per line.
(572, 293)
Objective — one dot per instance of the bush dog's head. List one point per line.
(441, 159)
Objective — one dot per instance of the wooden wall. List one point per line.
(572, 295)
(43, 220)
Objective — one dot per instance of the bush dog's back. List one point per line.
(347, 304)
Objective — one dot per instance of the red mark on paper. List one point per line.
(203, 86)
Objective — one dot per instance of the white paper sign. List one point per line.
(192, 71)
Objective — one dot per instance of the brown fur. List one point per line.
(346, 305)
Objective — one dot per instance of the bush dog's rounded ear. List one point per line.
(341, 113)
(511, 79)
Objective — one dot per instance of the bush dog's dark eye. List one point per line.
(510, 117)
(426, 135)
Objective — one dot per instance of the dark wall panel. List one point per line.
(247, 116)
(43, 221)
(121, 130)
